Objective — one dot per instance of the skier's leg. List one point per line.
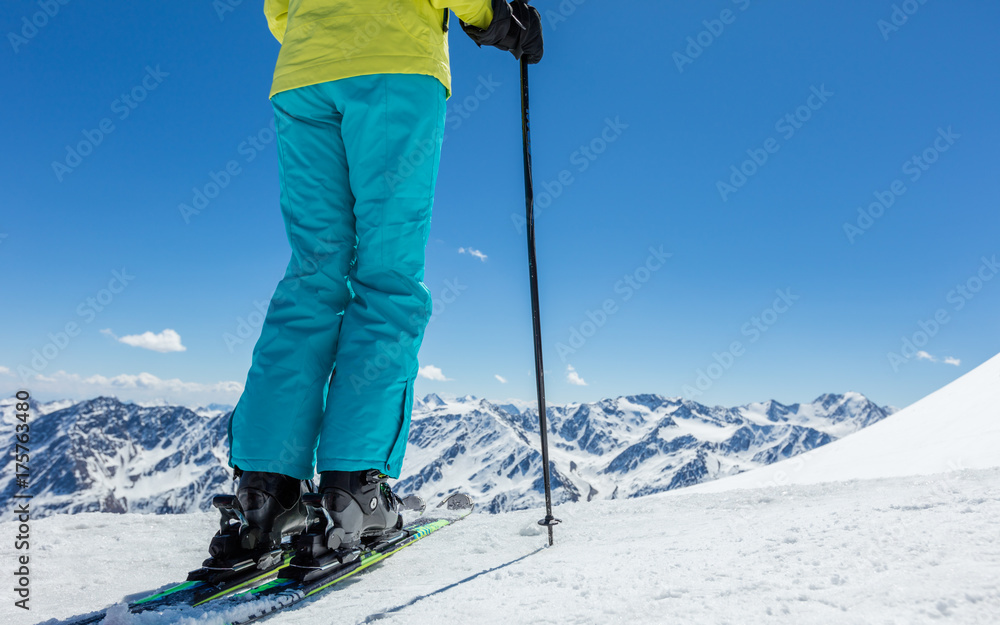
(393, 127)
(276, 424)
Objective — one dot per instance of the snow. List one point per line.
(878, 528)
(894, 551)
(956, 427)
(702, 430)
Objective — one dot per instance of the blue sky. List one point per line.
(737, 201)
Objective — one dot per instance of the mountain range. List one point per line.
(106, 455)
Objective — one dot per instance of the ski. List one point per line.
(284, 591)
(195, 592)
(207, 584)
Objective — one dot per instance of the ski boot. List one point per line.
(266, 507)
(352, 509)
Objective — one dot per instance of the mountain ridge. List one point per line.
(102, 454)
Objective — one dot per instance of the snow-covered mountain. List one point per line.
(616, 448)
(957, 427)
(105, 455)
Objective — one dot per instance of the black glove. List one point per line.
(516, 27)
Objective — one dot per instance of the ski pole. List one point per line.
(549, 521)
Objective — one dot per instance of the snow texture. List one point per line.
(892, 551)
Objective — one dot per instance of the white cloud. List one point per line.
(500, 378)
(136, 387)
(142, 380)
(948, 360)
(473, 252)
(573, 377)
(431, 372)
(108, 332)
(166, 341)
(5, 371)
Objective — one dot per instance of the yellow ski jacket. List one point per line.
(323, 40)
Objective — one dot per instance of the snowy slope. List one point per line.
(956, 427)
(899, 551)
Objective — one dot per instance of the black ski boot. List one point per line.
(360, 504)
(272, 505)
(266, 507)
(351, 508)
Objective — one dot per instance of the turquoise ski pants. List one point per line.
(330, 386)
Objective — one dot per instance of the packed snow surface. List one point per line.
(891, 551)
